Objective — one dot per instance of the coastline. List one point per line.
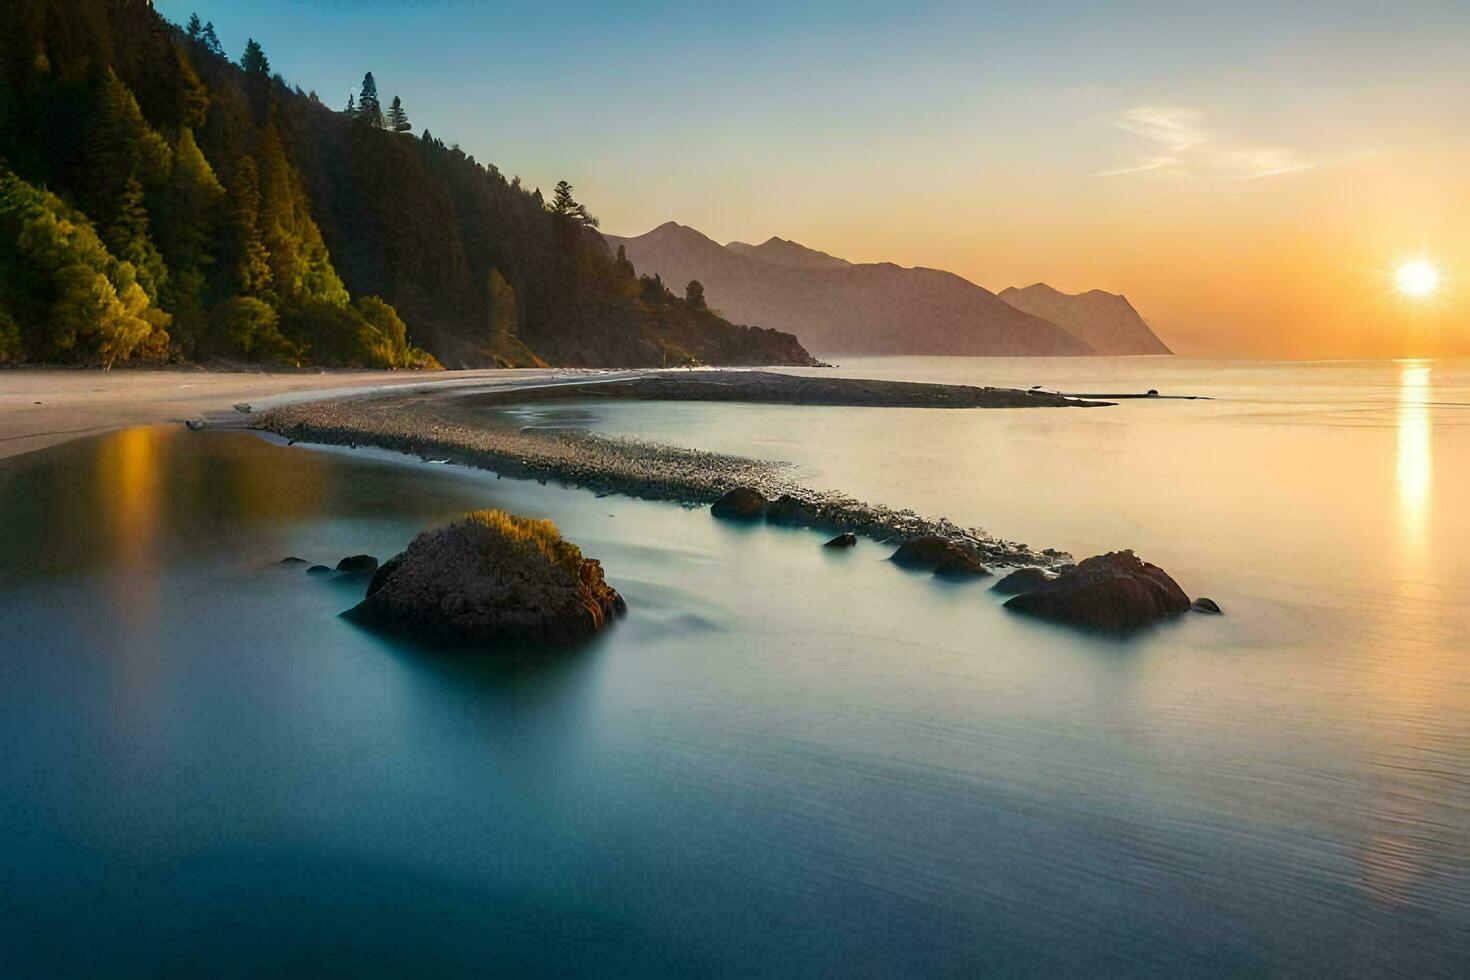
(452, 426)
(46, 406)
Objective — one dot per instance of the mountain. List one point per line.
(839, 307)
(159, 201)
(780, 251)
(1105, 321)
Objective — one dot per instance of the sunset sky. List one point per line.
(1251, 178)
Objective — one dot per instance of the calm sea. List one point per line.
(784, 761)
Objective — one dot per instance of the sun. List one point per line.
(1417, 278)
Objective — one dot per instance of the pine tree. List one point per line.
(565, 206)
(195, 28)
(351, 109)
(369, 110)
(254, 59)
(253, 270)
(397, 118)
(211, 41)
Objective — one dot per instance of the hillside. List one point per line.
(161, 201)
(1105, 321)
(838, 307)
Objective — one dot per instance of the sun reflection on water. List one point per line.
(1415, 471)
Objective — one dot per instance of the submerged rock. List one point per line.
(844, 540)
(742, 503)
(357, 564)
(1203, 605)
(292, 560)
(1114, 592)
(1024, 580)
(319, 570)
(940, 555)
(489, 577)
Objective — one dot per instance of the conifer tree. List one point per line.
(397, 118)
(252, 269)
(195, 28)
(211, 40)
(351, 109)
(254, 59)
(369, 110)
(565, 206)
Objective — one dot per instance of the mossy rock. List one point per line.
(486, 579)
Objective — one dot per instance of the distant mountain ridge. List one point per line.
(839, 307)
(1106, 322)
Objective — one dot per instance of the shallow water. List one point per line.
(783, 760)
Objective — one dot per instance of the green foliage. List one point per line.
(254, 60)
(369, 109)
(252, 262)
(211, 41)
(124, 155)
(74, 296)
(397, 118)
(203, 182)
(249, 327)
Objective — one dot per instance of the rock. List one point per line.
(790, 510)
(384, 570)
(358, 564)
(319, 570)
(489, 578)
(961, 564)
(845, 540)
(1114, 592)
(293, 560)
(1203, 605)
(194, 425)
(938, 554)
(1024, 580)
(242, 407)
(742, 503)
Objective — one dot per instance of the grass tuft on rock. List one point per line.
(495, 531)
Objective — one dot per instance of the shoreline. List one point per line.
(47, 406)
(451, 426)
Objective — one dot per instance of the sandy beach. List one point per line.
(42, 407)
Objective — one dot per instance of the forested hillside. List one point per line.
(161, 201)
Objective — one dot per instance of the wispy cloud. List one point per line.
(1180, 145)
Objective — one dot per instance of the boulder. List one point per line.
(319, 570)
(961, 564)
(789, 510)
(358, 564)
(1203, 605)
(845, 540)
(742, 503)
(1024, 580)
(489, 578)
(940, 555)
(1114, 592)
(292, 560)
